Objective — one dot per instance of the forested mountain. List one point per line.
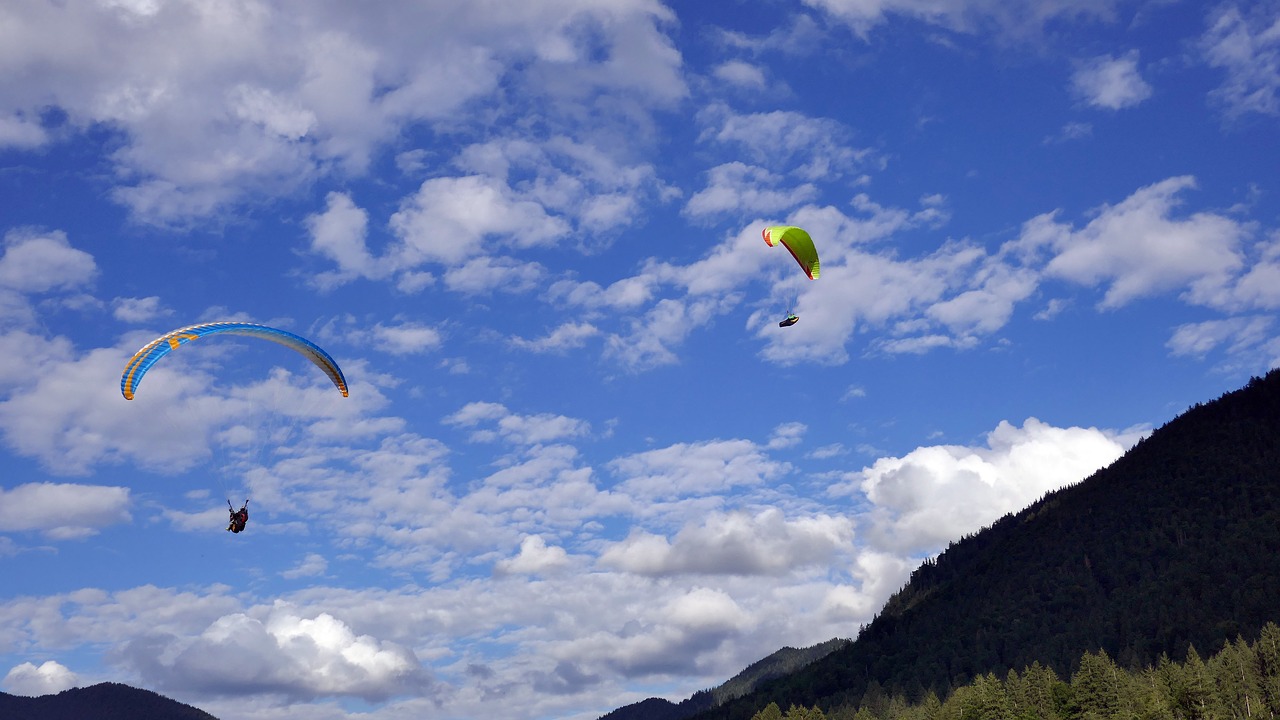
(1175, 544)
(105, 701)
(784, 661)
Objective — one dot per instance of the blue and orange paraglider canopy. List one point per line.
(170, 341)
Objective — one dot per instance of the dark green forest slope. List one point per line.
(1176, 543)
(783, 662)
(105, 701)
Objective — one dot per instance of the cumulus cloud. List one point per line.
(448, 218)
(1139, 247)
(878, 575)
(741, 74)
(785, 141)
(137, 310)
(471, 222)
(62, 510)
(701, 468)
(1245, 45)
(738, 187)
(50, 678)
(535, 557)
(312, 565)
(339, 234)
(674, 638)
(258, 98)
(281, 653)
(1248, 341)
(569, 336)
(1017, 18)
(787, 435)
(734, 544)
(488, 274)
(18, 131)
(1111, 82)
(407, 338)
(519, 429)
(938, 493)
(37, 262)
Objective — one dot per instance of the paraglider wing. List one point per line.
(798, 242)
(170, 341)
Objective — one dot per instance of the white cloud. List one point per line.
(50, 678)
(255, 99)
(62, 510)
(1138, 248)
(535, 558)
(312, 565)
(408, 338)
(280, 652)
(1111, 82)
(691, 469)
(741, 74)
(1019, 18)
(1239, 334)
(37, 262)
(734, 544)
(787, 435)
(938, 493)
(737, 187)
(515, 194)
(1259, 286)
(339, 234)
(18, 131)
(651, 339)
(448, 218)
(488, 274)
(1247, 48)
(786, 142)
(519, 429)
(568, 336)
(138, 310)
(879, 575)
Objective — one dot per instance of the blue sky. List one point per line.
(580, 463)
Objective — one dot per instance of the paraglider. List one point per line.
(801, 247)
(153, 351)
(239, 518)
(170, 341)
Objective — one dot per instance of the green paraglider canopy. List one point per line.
(798, 242)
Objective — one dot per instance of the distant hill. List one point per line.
(787, 660)
(1175, 544)
(105, 701)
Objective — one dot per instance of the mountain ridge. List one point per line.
(104, 701)
(1163, 550)
(1171, 546)
(773, 665)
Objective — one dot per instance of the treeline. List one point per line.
(1241, 681)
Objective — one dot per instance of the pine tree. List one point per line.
(1195, 698)
(770, 712)
(1034, 701)
(1096, 686)
(1151, 696)
(987, 700)
(1267, 653)
(1237, 681)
